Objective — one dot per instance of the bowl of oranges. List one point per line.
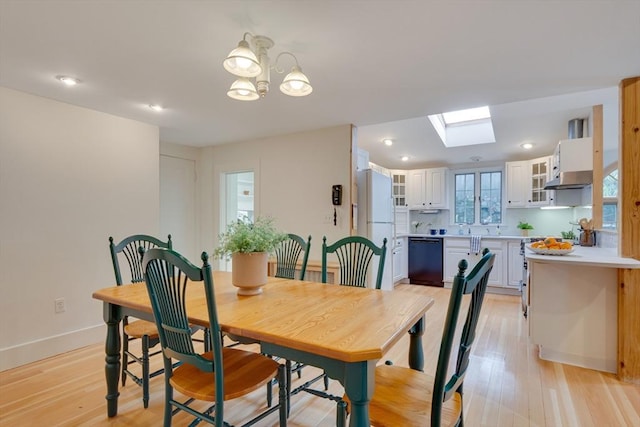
(551, 246)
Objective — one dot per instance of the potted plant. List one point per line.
(525, 227)
(249, 243)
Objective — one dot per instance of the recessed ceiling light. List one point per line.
(404, 158)
(69, 81)
(156, 107)
(527, 145)
(388, 141)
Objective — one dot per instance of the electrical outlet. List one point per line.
(60, 305)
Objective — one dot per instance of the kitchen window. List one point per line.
(478, 195)
(610, 200)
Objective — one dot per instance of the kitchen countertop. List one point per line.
(463, 236)
(582, 255)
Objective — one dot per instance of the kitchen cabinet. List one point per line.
(517, 184)
(427, 189)
(526, 181)
(401, 220)
(456, 249)
(540, 170)
(400, 259)
(515, 262)
(399, 184)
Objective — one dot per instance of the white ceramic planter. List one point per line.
(249, 272)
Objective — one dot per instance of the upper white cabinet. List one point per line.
(428, 189)
(399, 183)
(401, 220)
(517, 184)
(526, 181)
(540, 174)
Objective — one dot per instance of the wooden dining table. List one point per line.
(341, 329)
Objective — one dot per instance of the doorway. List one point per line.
(237, 201)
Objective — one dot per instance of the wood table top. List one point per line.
(340, 322)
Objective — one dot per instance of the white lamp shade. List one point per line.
(296, 83)
(242, 62)
(243, 90)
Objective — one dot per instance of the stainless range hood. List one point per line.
(570, 180)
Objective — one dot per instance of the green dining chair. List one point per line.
(136, 329)
(288, 254)
(354, 255)
(216, 376)
(406, 397)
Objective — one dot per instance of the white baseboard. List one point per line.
(12, 357)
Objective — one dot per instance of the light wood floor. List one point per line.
(507, 385)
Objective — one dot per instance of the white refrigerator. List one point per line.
(375, 219)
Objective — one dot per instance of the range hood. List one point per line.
(573, 160)
(570, 180)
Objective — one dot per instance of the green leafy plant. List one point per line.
(246, 236)
(524, 226)
(569, 235)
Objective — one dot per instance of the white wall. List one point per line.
(69, 178)
(294, 175)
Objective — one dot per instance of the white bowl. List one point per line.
(546, 251)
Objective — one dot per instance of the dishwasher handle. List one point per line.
(425, 239)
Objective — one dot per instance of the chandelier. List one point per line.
(248, 64)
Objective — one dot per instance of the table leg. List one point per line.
(112, 317)
(358, 385)
(416, 355)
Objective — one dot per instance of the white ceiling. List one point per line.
(380, 65)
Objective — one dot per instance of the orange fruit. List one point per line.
(550, 241)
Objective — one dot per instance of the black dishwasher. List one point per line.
(425, 261)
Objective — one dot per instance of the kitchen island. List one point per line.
(573, 306)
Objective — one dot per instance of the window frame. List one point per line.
(477, 208)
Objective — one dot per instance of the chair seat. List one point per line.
(138, 328)
(244, 371)
(403, 396)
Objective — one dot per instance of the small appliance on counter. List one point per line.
(587, 233)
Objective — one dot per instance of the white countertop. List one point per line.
(593, 256)
(463, 236)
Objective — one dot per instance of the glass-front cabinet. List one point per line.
(540, 175)
(399, 182)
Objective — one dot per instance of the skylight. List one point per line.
(454, 117)
(464, 127)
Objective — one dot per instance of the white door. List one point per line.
(178, 205)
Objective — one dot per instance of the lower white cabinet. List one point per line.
(514, 268)
(400, 255)
(456, 249)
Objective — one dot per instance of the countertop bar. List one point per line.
(592, 256)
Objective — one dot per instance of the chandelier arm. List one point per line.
(281, 70)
